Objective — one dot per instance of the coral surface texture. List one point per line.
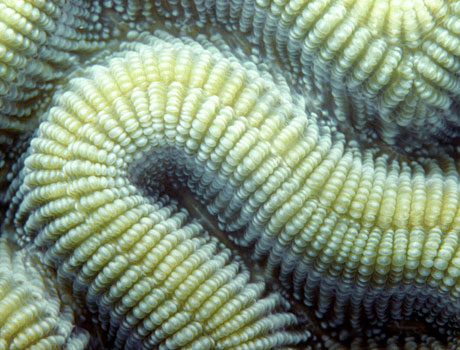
(229, 174)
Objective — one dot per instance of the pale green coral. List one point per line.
(154, 279)
(361, 234)
(386, 68)
(34, 315)
(345, 228)
(40, 40)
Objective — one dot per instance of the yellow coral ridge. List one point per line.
(32, 315)
(153, 278)
(345, 228)
(387, 68)
(39, 41)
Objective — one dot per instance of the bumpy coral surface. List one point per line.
(381, 68)
(274, 132)
(34, 315)
(39, 41)
(153, 278)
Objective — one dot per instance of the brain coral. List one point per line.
(383, 69)
(39, 41)
(153, 278)
(282, 154)
(34, 314)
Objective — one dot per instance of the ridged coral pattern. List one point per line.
(386, 68)
(155, 279)
(39, 41)
(34, 315)
(419, 342)
(321, 135)
(323, 212)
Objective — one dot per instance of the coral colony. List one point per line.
(241, 174)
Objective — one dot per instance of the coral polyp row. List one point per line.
(382, 69)
(39, 41)
(418, 341)
(153, 278)
(347, 230)
(34, 315)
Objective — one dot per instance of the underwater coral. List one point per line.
(242, 174)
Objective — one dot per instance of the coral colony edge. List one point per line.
(243, 174)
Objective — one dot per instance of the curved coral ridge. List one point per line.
(350, 228)
(33, 314)
(384, 67)
(39, 41)
(359, 229)
(153, 278)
